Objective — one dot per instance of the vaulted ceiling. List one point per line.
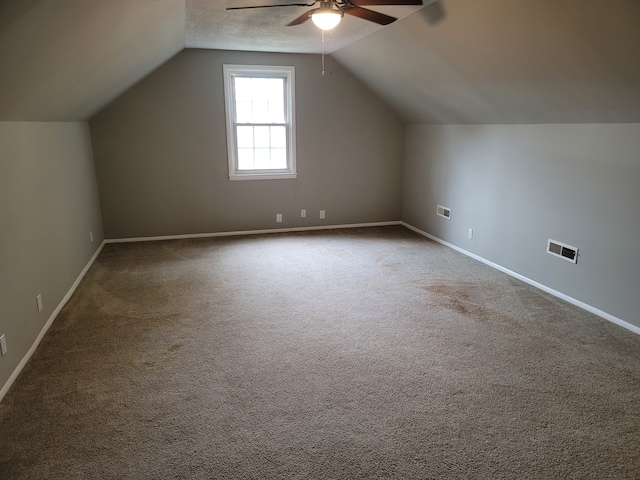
(453, 61)
(508, 61)
(63, 60)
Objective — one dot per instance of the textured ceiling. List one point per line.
(210, 25)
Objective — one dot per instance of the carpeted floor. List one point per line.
(365, 353)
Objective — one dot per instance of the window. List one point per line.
(260, 122)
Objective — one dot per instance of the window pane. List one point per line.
(245, 159)
(260, 89)
(263, 158)
(245, 137)
(278, 137)
(279, 158)
(276, 88)
(242, 88)
(261, 137)
(276, 100)
(276, 112)
(243, 112)
(260, 112)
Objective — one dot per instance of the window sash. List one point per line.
(247, 99)
(262, 143)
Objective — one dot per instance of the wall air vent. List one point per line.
(444, 212)
(562, 250)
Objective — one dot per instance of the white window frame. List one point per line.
(286, 72)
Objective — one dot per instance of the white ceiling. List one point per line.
(210, 25)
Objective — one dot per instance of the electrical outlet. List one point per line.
(91, 236)
(470, 233)
(278, 217)
(303, 213)
(39, 302)
(322, 214)
(3, 345)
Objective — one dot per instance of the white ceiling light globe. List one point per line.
(326, 19)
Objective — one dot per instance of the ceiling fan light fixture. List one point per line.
(326, 18)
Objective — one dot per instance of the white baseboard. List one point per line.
(555, 293)
(5, 388)
(252, 232)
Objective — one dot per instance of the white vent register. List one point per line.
(444, 212)
(562, 250)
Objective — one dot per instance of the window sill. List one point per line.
(263, 176)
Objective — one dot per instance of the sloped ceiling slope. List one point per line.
(62, 60)
(506, 62)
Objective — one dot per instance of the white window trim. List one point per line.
(260, 70)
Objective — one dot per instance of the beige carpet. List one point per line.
(368, 353)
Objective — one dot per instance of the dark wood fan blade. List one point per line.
(301, 19)
(379, 18)
(369, 3)
(269, 6)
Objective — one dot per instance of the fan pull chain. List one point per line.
(330, 50)
(322, 52)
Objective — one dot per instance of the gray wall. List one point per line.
(161, 154)
(517, 186)
(48, 205)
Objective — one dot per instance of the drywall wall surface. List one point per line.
(48, 205)
(161, 153)
(517, 186)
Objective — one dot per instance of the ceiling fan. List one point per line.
(330, 12)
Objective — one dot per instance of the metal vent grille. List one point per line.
(444, 212)
(562, 250)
